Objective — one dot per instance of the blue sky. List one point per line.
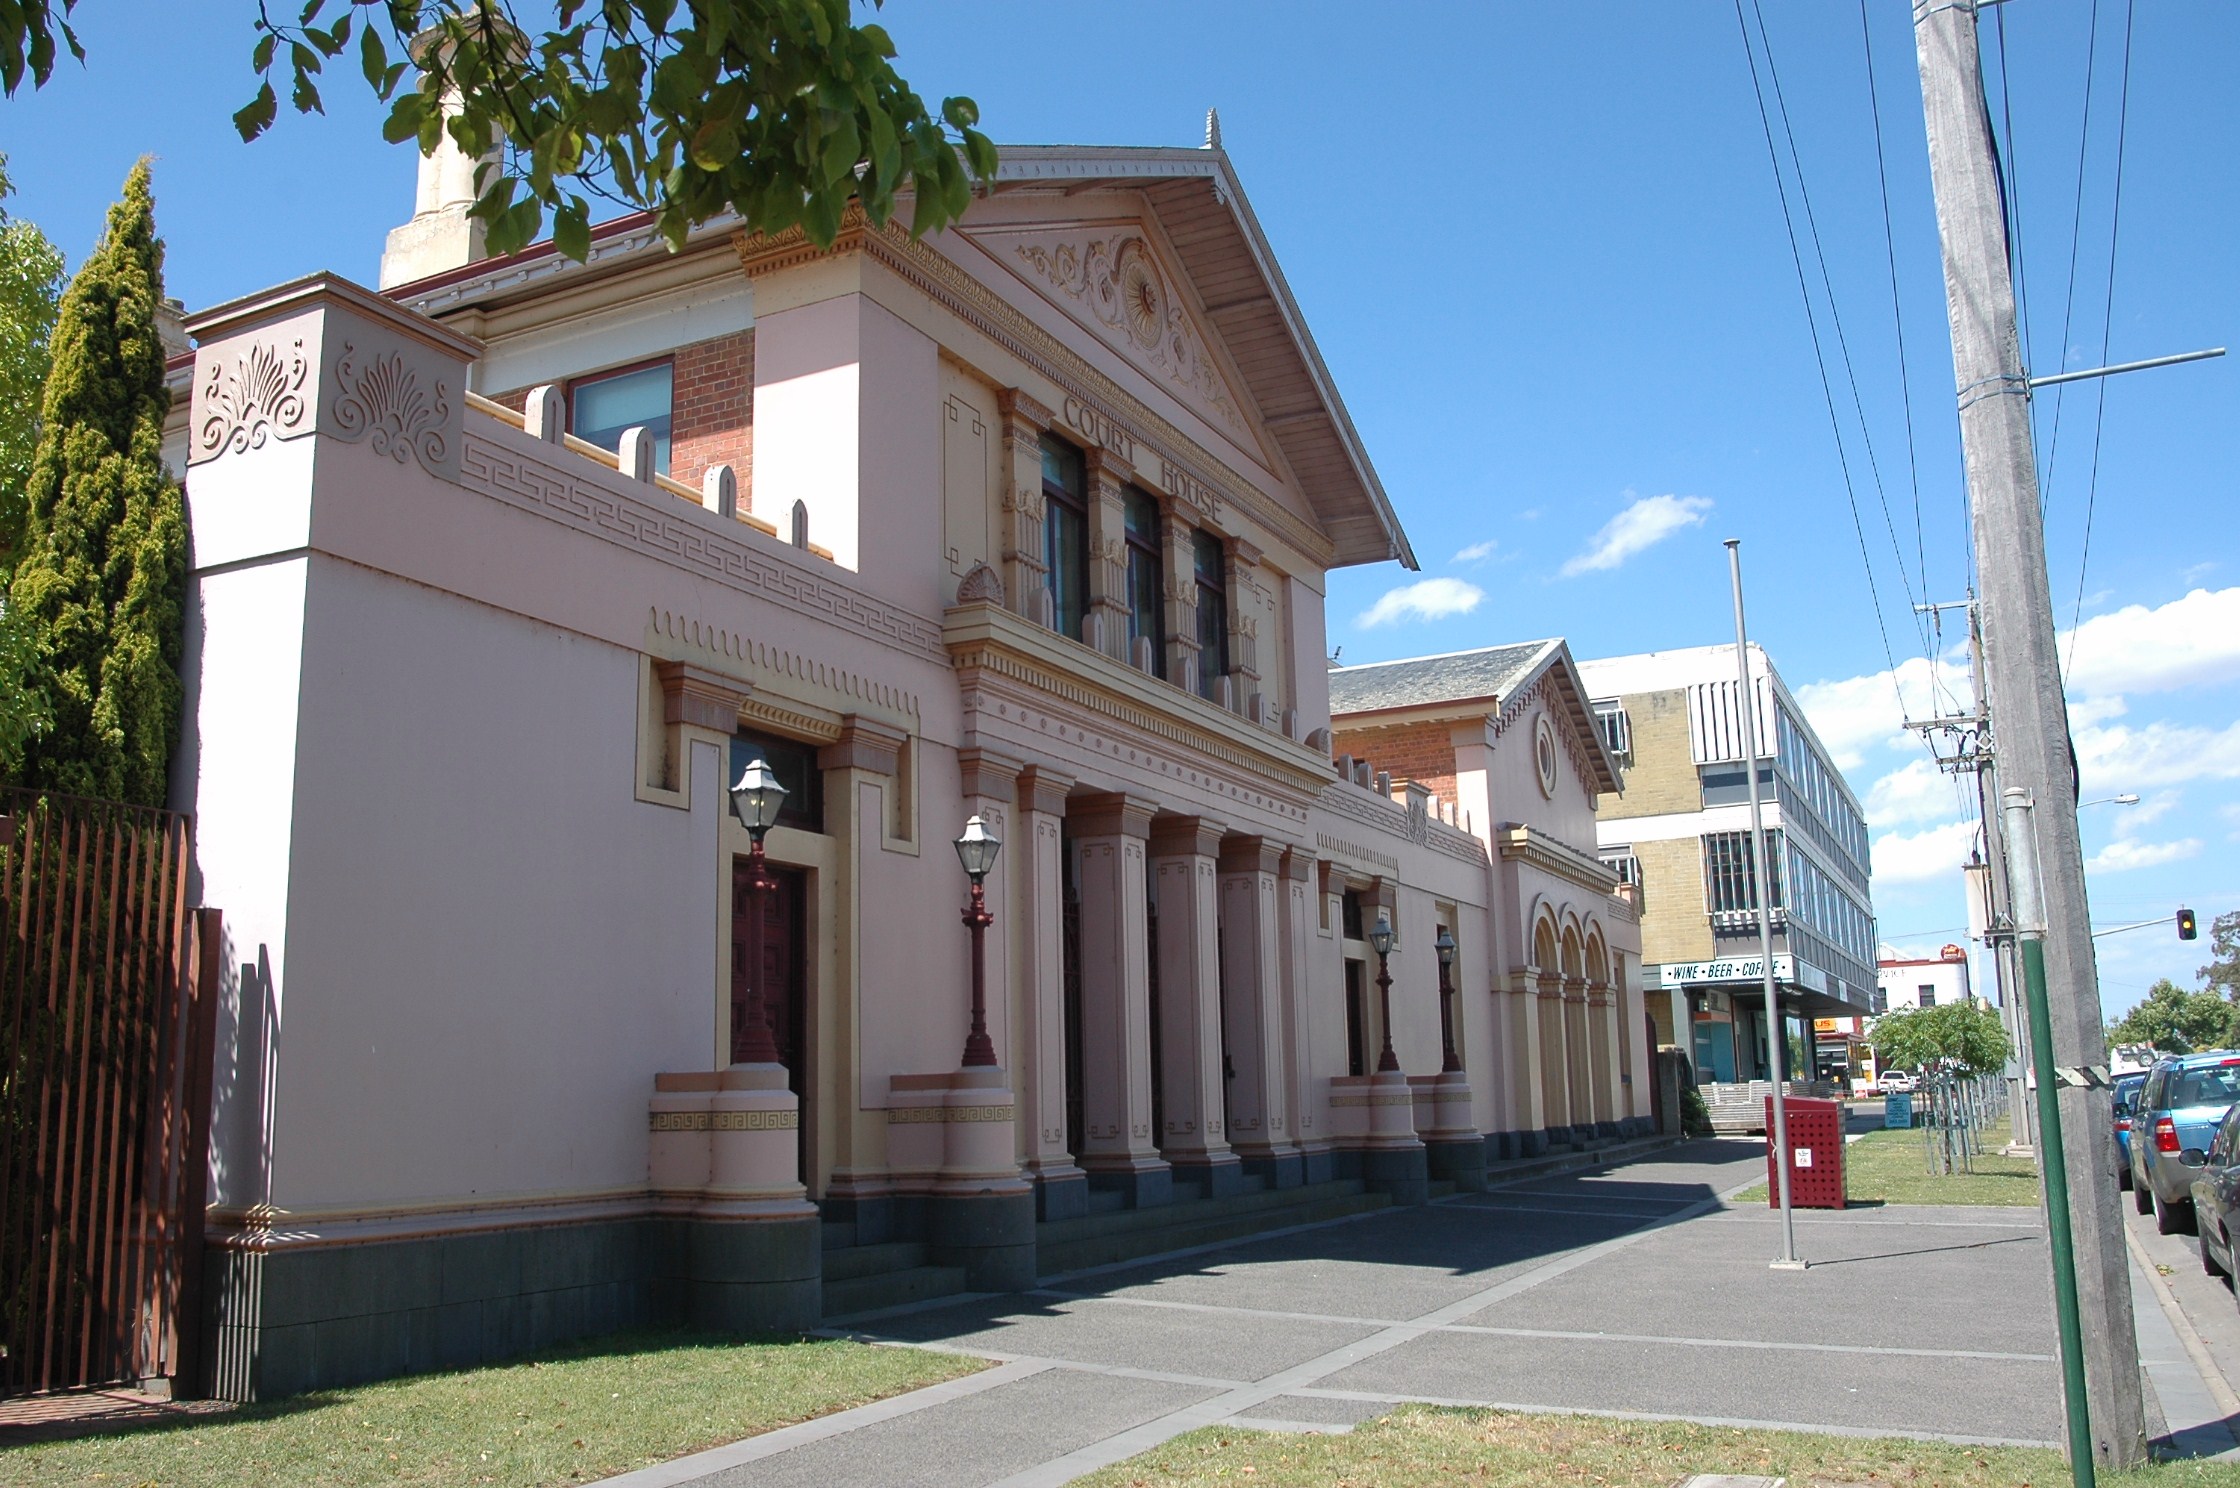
(1543, 254)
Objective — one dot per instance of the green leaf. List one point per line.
(260, 56)
(404, 119)
(571, 230)
(257, 115)
(305, 59)
(305, 97)
(373, 59)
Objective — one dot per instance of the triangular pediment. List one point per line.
(1113, 279)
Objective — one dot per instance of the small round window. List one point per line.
(1544, 754)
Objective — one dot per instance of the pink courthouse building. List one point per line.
(504, 573)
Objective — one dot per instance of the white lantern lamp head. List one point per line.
(1380, 937)
(757, 797)
(977, 849)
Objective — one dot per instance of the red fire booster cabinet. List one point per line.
(1815, 1154)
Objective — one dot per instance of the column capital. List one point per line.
(1020, 407)
(864, 744)
(1244, 854)
(1299, 864)
(1186, 836)
(1112, 814)
(1044, 790)
(987, 773)
(694, 695)
(1101, 462)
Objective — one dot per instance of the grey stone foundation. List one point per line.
(1402, 1172)
(990, 1235)
(300, 1318)
(1461, 1163)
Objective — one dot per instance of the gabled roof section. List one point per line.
(1482, 681)
(1204, 214)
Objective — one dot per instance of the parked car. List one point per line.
(1897, 1081)
(2177, 1113)
(2127, 1096)
(2216, 1195)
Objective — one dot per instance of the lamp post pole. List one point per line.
(755, 801)
(1450, 1061)
(1380, 939)
(977, 850)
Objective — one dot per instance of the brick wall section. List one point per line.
(1674, 926)
(711, 410)
(713, 421)
(1422, 752)
(1662, 778)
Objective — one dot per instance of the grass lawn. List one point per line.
(1888, 1167)
(588, 1412)
(1422, 1445)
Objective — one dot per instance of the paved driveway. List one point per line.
(1628, 1290)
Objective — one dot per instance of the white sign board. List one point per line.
(1733, 969)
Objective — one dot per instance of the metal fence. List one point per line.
(108, 992)
(1954, 1112)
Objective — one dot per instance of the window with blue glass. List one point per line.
(1147, 580)
(1065, 535)
(1210, 568)
(795, 765)
(600, 408)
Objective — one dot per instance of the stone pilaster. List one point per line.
(1252, 978)
(1118, 1148)
(1107, 630)
(1301, 915)
(1183, 853)
(1181, 600)
(1025, 575)
(1038, 933)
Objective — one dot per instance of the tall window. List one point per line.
(1209, 563)
(1730, 882)
(600, 408)
(1617, 730)
(1146, 579)
(1065, 535)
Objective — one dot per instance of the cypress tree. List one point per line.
(102, 577)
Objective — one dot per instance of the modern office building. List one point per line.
(1680, 831)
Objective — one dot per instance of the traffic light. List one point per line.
(2187, 929)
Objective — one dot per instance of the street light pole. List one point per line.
(1380, 940)
(1449, 1061)
(1778, 1137)
(977, 850)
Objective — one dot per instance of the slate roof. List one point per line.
(1493, 672)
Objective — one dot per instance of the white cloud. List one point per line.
(1915, 792)
(1644, 523)
(1477, 552)
(2118, 757)
(2124, 854)
(2189, 642)
(1929, 853)
(1426, 599)
(1857, 713)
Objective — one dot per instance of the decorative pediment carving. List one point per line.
(1110, 279)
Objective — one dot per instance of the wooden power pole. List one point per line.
(2022, 676)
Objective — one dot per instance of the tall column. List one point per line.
(1118, 1150)
(1523, 1098)
(1554, 1074)
(1243, 562)
(1302, 1090)
(1603, 1059)
(1181, 598)
(1252, 978)
(1039, 1020)
(1025, 575)
(1578, 1051)
(1196, 1142)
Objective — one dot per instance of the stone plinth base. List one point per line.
(1217, 1177)
(990, 1234)
(1060, 1192)
(1459, 1161)
(1141, 1185)
(1283, 1168)
(1402, 1172)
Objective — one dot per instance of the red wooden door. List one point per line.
(785, 985)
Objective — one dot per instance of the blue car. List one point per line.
(2175, 1120)
(2126, 1093)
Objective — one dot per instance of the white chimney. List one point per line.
(440, 235)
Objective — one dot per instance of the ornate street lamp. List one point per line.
(1380, 940)
(755, 801)
(1450, 1060)
(977, 850)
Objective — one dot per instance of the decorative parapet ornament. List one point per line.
(324, 356)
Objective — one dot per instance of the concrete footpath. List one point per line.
(1630, 1290)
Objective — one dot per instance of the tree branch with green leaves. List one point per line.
(782, 111)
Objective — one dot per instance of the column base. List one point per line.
(1283, 1168)
(1401, 1172)
(1140, 1184)
(1608, 1129)
(1219, 1176)
(1061, 1191)
(991, 1235)
(753, 1276)
(1460, 1161)
(1317, 1165)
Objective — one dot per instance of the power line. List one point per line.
(1819, 356)
(2076, 240)
(1835, 313)
(1897, 313)
(2107, 327)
